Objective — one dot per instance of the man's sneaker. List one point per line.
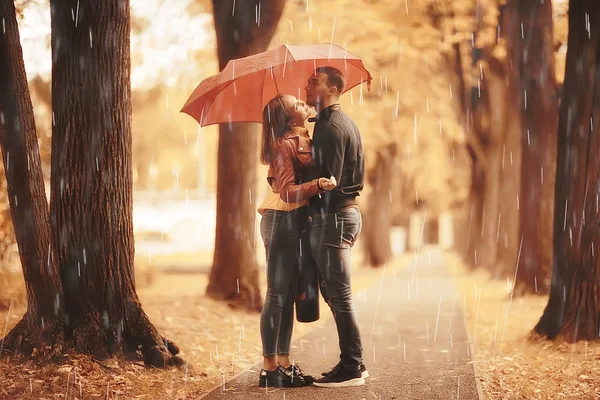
(281, 377)
(363, 371)
(340, 377)
(297, 371)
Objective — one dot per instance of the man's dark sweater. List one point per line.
(338, 152)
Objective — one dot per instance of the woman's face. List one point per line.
(296, 109)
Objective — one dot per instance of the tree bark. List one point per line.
(91, 181)
(507, 233)
(377, 225)
(41, 325)
(491, 112)
(243, 29)
(539, 119)
(573, 309)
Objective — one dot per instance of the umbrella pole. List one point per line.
(275, 80)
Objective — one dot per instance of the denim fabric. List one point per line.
(282, 233)
(332, 237)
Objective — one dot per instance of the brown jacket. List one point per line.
(293, 160)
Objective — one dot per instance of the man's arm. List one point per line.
(330, 145)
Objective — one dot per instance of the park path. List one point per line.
(414, 340)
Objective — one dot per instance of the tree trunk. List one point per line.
(42, 323)
(91, 182)
(377, 225)
(539, 118)
(485, 235)
(573, 309)
(510, 172)
(234, 274)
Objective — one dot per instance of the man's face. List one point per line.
(317, 89)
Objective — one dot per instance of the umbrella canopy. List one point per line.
(244, 87)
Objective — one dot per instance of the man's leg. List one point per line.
(332, 238)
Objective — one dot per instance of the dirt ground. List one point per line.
(511, 365)
(216, 341)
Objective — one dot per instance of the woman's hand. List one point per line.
(327, 184)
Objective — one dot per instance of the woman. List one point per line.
(286, 149)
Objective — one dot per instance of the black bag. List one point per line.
(307, 294)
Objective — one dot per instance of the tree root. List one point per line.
(31, 339)
(139, 337)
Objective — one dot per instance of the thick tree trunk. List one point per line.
(42, 323)
(510, 172)
(243, 28)
(91, 182)
(378, 223)
(485, 234)
(539, 118)
(573, 309)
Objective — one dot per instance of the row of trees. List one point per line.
(535, 190)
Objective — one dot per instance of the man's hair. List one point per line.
(334, 77)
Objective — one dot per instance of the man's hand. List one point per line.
(327, 184)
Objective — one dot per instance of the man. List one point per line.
(336, 219)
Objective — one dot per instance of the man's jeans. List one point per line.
(331, 238)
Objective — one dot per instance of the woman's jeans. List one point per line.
(332, 237)
(283, 233)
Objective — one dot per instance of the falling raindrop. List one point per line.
(7, 161)
(415, 129)
(77, 14)
(91, 41)
(437, 320)
(257, 11)
(522, 32)
(3, 26)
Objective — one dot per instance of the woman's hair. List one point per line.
(275, 124)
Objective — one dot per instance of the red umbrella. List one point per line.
(244, 87)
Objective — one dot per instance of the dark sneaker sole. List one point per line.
(281, 385)
(350, 382)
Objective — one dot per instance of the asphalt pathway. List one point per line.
(414, 341)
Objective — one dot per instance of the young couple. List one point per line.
(311, 211)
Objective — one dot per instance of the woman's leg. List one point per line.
(287, 319)
(297, 247)
(279, 278)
